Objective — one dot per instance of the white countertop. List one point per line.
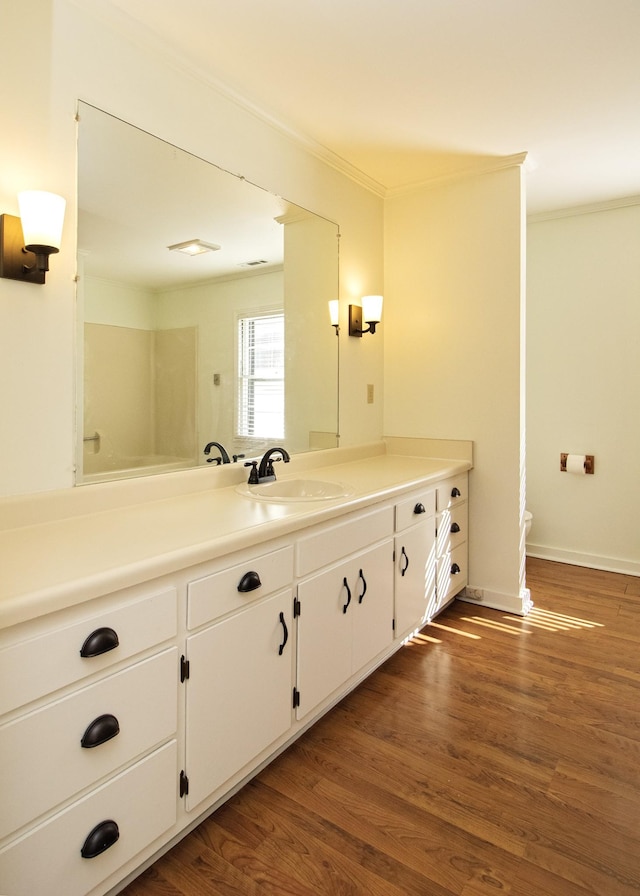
(80, 553)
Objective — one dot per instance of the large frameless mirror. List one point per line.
(183, 344)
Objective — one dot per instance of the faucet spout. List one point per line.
(224, 456)
(265, 470)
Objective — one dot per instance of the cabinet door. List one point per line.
(346, 619)
(372, 606)
(324, 636)
(415, 577)
(239, 692)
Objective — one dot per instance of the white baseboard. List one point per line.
(519, 604)
(593, 561)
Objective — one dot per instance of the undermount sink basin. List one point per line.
(286, 490)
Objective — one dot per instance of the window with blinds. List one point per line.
(260, 404)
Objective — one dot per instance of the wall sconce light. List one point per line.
(371, 312)
(27, 242)
(334, 314)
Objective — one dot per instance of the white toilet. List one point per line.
(528, 520)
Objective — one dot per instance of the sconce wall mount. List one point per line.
(16, 262)
(27, 242)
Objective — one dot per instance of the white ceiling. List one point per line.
(410, 90)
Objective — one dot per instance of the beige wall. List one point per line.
(453, 354)
(583, 383)
(311, 380)
(212, 308)
(99, 60)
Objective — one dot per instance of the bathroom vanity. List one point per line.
(162, 641)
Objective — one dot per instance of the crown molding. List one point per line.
(499, 163)
(575, 210)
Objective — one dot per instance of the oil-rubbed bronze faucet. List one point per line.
(265, 472)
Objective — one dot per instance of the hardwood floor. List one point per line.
(492, 755)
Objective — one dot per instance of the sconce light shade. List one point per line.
(42, 216)
(334, 313)
(372, 309)
(27, 242)
(370, 312)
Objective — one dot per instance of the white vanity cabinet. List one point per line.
(239, 690)
(415, 561)
(88, 741)
(452, 546)
(344, 611)
(126, 718)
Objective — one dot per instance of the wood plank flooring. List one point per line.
(493, 755)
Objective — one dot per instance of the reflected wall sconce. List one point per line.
(334, 315)
(371, 312)
(27, 242)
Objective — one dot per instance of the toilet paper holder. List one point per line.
(588, 463)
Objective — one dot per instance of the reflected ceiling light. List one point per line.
(334, 314)
(371, 312)
(27, 242)
(194, 247)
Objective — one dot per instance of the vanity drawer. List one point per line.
(452, 491)
(452, 528)
(233, 588)
(43, 664)
(410, 511)
(44, 762)
(451, 575)
(142, 803)
(337, 540)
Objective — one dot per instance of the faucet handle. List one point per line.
(253, 475)
(269, 472)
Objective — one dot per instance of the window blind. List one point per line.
(260, 404)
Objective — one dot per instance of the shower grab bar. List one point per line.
(94, 438)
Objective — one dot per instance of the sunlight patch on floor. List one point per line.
(496, 626)
(421, 638)
(537, 619)
(555, 622)
(456, 631)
